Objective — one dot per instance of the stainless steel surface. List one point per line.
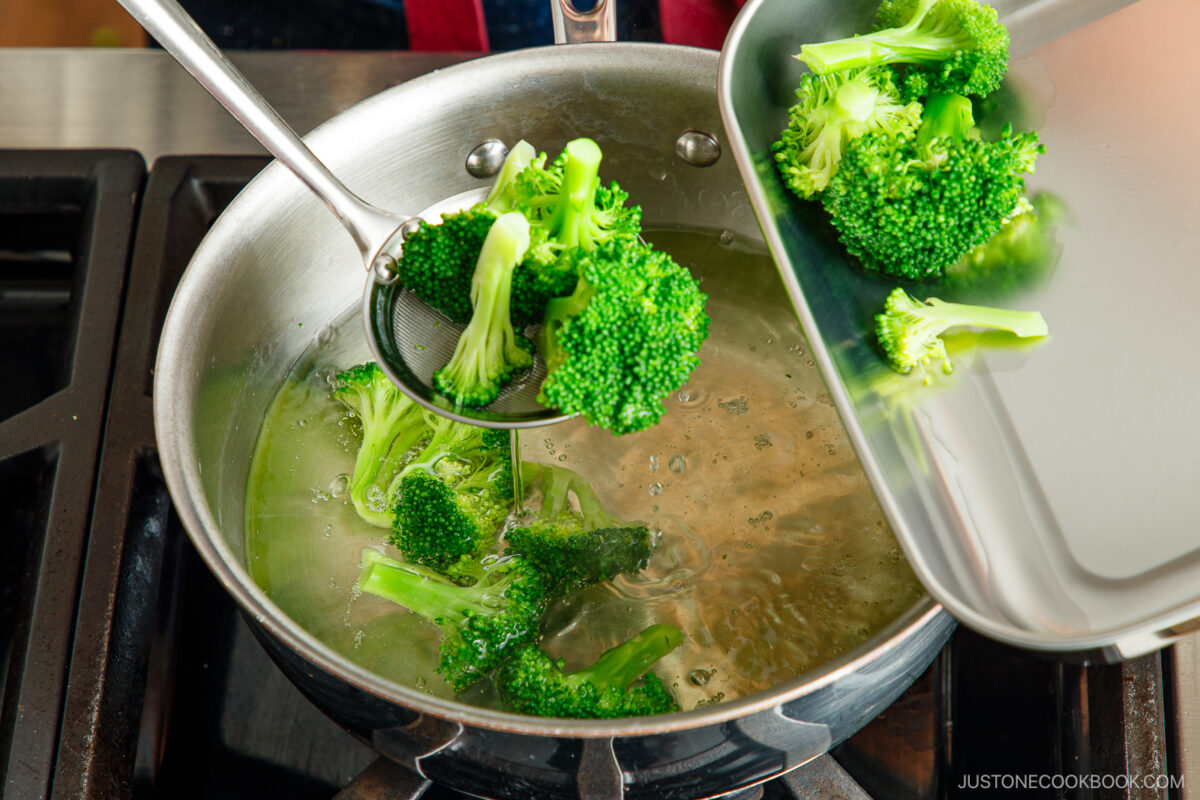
(598, 24)
(143, 100)
(274, 272)
(1044, 497)
(1184, 679)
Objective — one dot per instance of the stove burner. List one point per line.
(129, 673)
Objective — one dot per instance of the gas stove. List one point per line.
(129, 673)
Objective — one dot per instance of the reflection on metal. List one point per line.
(486, 160)
(600, 775)
(424, 737)
(698, 148)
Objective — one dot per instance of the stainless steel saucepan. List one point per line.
(276, 269)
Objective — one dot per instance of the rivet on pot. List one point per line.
(486, 159)
(698, 148)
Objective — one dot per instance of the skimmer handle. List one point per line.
(165, 20)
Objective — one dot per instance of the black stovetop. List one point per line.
(129, 673)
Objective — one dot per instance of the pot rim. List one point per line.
(173, 433)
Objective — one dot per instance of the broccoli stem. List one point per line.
(909, 44)
(946, 115)
(488, 352)
(628, 661)
(502, 197)
(940, 315)
(571, 224)
(423, 591)
(558, 311)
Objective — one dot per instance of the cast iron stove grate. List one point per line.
(129, 673)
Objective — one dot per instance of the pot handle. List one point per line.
(572, 26)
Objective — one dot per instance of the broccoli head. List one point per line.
(1020, 256)
(624, 339)
(391, 424)
(575, 549)
(568, 208)
(959, 45)
(438, 260)
(483, 623)
(912, 206)
(832, 110)
(909, 330)
(489, 350)
(533, 683)
(453, 498)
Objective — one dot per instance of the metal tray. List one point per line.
(1046, 496)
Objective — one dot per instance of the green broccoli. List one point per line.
(575, 549)
(912, 206)
(909, 330)
(533, 683)
(454, 496)
(391, 423)
(568, 208)
(624, 339)
(832, 110)
(490, 351)
(437, 262)
(483, 623)
(1017, 258)
(959, 45)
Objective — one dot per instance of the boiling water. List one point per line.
(773, 555)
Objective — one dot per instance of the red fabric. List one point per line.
(446, 25)
(700, 23)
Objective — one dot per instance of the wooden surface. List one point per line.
(67, 23)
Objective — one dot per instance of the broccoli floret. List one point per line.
(909, 329)
(910, 207)
(575, 549)
(959, 44)
(437, 262)
(568, 208)
(624, 339)
(453, 498)
(533, 683)
(482, 624)
(490, 351)
(391, 423)
(832, 110)
(1017, 258)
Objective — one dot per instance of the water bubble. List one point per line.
(654, 463)
(726, 237)
(359, 635)
(656, 489)
(678, 465)
(563, 457)
(327, 532)
(339, 485)
(699, 677)
(762, 440)
(691, 396)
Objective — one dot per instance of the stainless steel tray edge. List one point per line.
(748, 107)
